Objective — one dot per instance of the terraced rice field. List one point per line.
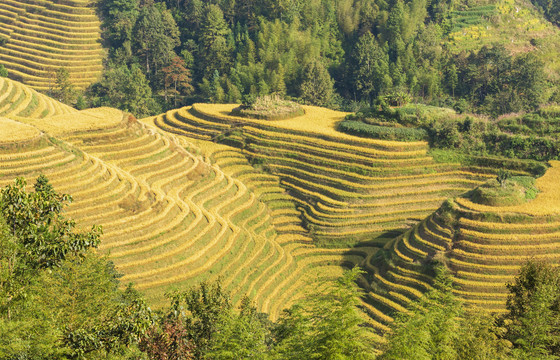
(348, 189)
(21, 101)
(45, 35)
(483, 246)
(172, 218)
(177, 207)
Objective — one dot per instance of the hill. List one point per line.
(274, 208)
(483, 246)
(37, 37)
(349, 189)
(172, 217)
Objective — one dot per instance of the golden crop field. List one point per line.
(483, 246)
(45, 35)
(16, 132)
(274, 209)
(342, 183)
(21, 101)
(174, 212)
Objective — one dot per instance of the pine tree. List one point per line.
(215, 48)
(317, 87)
(371, 68)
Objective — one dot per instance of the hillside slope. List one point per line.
(42, 36)
(349, 189)
(483, 246)
(172, 218)
(21, 101)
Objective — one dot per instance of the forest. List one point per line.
(342, 54)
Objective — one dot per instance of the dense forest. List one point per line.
(341, 54)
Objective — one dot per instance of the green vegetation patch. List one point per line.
(269, 108)
(359, 128)
(505, 190)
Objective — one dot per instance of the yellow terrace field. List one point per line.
(45, 35)
(546, 203)
(346, 187)
(13, 132)
(21, 101)
(317, 121)
(171, 215)
(483, 246)
(80, 121)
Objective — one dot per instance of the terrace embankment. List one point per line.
(172, 217)
(21, 101)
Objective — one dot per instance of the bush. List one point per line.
(550, 111)
(268, 108)
(526, 147)
(503, 177)
(359, 128)
(3, 71)
(499, 193)
(533, 167)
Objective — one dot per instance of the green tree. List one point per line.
(215, 48)
(202, 309)
(533, 318)
(3, 71)
(156, 36)
(240, 335)
(126, 89)
(119, 19)
(37, 221)
(64, 90)
(529, 80)
(325, 326)
(317, 86)
(371, 68)
(502, 177)
(58, 299)
(438, 327)
(452, 78)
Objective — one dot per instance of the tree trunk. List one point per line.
(175, 99)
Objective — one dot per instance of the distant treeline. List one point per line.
(336, 53)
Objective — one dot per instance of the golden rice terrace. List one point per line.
(41, 36)
(274, 208)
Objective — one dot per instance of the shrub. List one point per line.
(503, 176)
(505, 190)
(3, 71)
(359, 128)
(550, 111)
(268, 108)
